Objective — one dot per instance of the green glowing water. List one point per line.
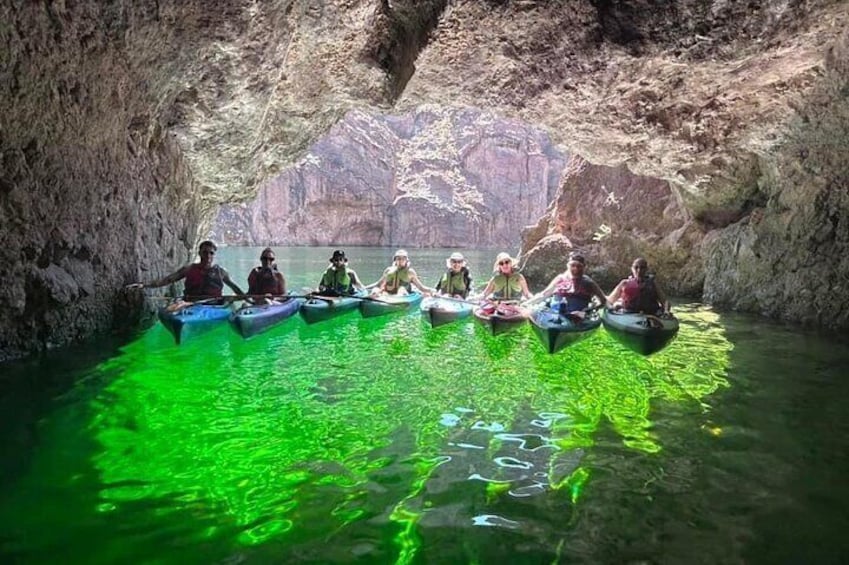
(383, 440)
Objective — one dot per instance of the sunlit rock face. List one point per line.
(612, 216)
(433, 177)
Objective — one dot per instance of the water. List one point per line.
(384, 441)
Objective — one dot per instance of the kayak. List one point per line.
(500, 318)
(383, 304)
(194, 320)
(320, 308)
(642, 333)
(556, 331)
(440, 311)
(253, 319)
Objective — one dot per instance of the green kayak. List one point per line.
(320, 308)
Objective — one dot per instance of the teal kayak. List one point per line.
(321, 308)
(251, 320)
(556, 331)
(383, 304)
(440, 311)
(194, 320)
(642, 333)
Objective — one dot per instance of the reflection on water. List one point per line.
(384, 440)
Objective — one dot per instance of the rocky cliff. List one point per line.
(434, 177)
(126, 124)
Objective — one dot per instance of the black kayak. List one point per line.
(642, 333)
(556, 331)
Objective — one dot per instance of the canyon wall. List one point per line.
(434, 177)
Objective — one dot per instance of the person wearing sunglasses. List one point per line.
(639, 292)
(399, 278)
(265, 281)
(507, 283)
(339, 279)
(456, 281)
(572, 289)
(204, 279)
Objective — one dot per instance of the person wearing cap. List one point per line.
(572, 289)
(338, 279)
(507, 283)
(204, 279)
(639, 292)
(456, 281)
(266, 281)
(399, 278)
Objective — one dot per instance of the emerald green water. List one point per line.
(385, 441)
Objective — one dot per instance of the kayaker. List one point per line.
(266, 280)
(338, 279)
(204, 279)
(572, 289)
(399, 278)
(639, 292)
(506, 286)
(456, 281)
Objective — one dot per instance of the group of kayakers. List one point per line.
(570, 291)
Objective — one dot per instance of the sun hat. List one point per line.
(401, 253)
(503, 257)
(456, 256)
(338, 254)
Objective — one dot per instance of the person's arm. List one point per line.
(225, 276)
(524, 284)
(547, 291)
(414, 278)
(617, 292)
(488, 289)
(664, 301)
(355, 280)
(281, 284)
(599, 294)
(177, 275)
(381, 282)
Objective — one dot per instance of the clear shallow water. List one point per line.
(384, 441)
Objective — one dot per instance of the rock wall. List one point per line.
(432, 178)
(788, 258)
(92, 190)
(613, 216)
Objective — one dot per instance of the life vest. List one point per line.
(507, 287)
(453, 283)
(203, 282)
(264, 280)
(576, 293)
(397, 278)
(336, 280)
(640, 295)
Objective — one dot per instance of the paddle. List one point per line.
(452, 299)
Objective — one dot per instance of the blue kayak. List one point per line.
(194, 320)
(642, 333)
(319, 308)
(251, 320)
(440, 311)
(383, 304)
(556, 331)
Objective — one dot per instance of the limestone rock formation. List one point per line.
(434, 177)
